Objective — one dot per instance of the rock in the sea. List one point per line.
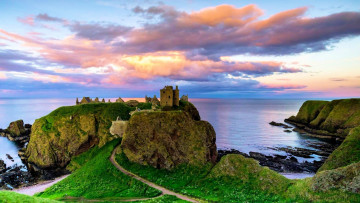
(164, 139)
(279, 124)
(16, 127)
(344, 178)
(2, 166)
(69, 131)
(10, 157)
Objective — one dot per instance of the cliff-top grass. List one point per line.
(97, 178)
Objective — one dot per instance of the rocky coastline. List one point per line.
(16, 176)
(290, 163)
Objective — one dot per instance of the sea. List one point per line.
(241, 124)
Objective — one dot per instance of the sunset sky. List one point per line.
(211, 49)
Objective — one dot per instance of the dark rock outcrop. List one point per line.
(278, 162)
(279, 124)
(164, 139)
(17, 132)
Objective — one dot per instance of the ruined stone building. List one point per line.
(169, 96)
(154, 101)
(184, 98)
(88, 100)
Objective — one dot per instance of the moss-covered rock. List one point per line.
(345, 178)
(71, 130)
(164, 139)
(249, 172)
(347, 153)
(16, 127)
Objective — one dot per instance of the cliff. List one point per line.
(335, 118)
(69, 131)
(164, 139)
(347, 153)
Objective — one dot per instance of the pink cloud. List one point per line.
(2, 76)
(28, 20)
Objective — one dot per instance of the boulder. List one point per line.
(16, 127)
(249, 172)
(345, 178)
(165, 139)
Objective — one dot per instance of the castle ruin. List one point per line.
(169, 96)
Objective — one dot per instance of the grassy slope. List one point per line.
(347, 153)
(98, 179)
(309, 110)
(164, 199)
(236, 179)
(302, 192)
(202, 182)
(13, 197)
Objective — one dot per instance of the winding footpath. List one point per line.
(151, 184)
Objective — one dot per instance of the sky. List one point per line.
(210, 49)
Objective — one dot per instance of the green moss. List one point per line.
(98, 179)
(309, 111)
(13, 197)
(347, 153)
(345, 114)
(302, 191)
(324, 113)
(249, 172)
(164, 139)
(70, 130)
(144, 105)
(164, 199)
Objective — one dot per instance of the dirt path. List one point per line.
(40, 187)
(151, 184)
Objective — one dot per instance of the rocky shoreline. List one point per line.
(289, 163)
(16, 176)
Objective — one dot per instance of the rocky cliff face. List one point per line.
(164, 139)
(335, 118)
(69, 131)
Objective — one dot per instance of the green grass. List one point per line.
(309, 111)
(302, 192)
(197, 182)
(347, 153)
(164, 199)
(98, 179)
(13, 197)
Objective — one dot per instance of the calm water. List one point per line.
(240, 124)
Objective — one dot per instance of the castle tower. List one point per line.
(169, 97)
(166, 96)
(176, 97)
(77, 101)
